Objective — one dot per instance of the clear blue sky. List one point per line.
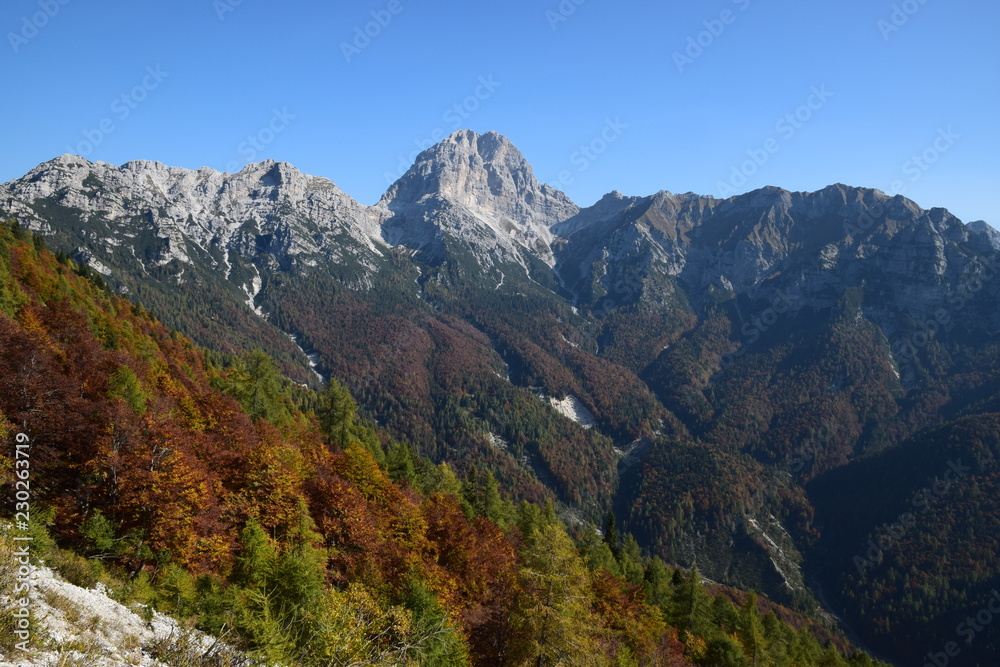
(226, 66)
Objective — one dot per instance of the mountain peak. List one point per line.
(68, 159)
(485, 172)
(462, 159)
(486, 144)
(268, 165)
(983, 228)
(488, 187)
(64, 161)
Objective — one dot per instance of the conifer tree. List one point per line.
(611, 534)
(439, 643)
(124, 384)
(750, 630)
(630, 558)
(400, 464)
(337, 409)
(724, 614)
(554, 622)
(596, 551)
(482, 492)
(252, 574)
(656, 582)
(690, 604)
(255, 381)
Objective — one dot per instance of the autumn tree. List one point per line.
(554, 621)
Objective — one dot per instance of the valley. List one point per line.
(756, 386)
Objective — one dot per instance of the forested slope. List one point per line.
(255, 508)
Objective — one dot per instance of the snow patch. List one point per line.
(255, 286)
(99, 267)
(506, 376)
(791, 576)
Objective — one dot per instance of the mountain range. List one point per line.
(774, 386)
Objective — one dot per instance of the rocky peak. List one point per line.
(194, 210)
(984, 229)
(479, 188)
(485, 173)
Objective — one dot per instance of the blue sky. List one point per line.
(715, 97)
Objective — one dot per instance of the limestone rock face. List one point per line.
(473, 200)
(478, 188)
(201, 208)
(982, 228)
(772, 240)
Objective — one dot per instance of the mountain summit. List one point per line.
(481, 188)
(485, 173)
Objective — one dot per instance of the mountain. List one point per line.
(820, 242)
(478, 189)
(202, 236)
(990, 232)
(201, 514)
(704, 368)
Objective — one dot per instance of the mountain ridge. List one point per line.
(476, 187)
(470, 210)
(501, 146)
(470, 207)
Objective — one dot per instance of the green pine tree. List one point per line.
(750, 631)
(337, 410)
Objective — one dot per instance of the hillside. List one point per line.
(726, 375)
(261, 512)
